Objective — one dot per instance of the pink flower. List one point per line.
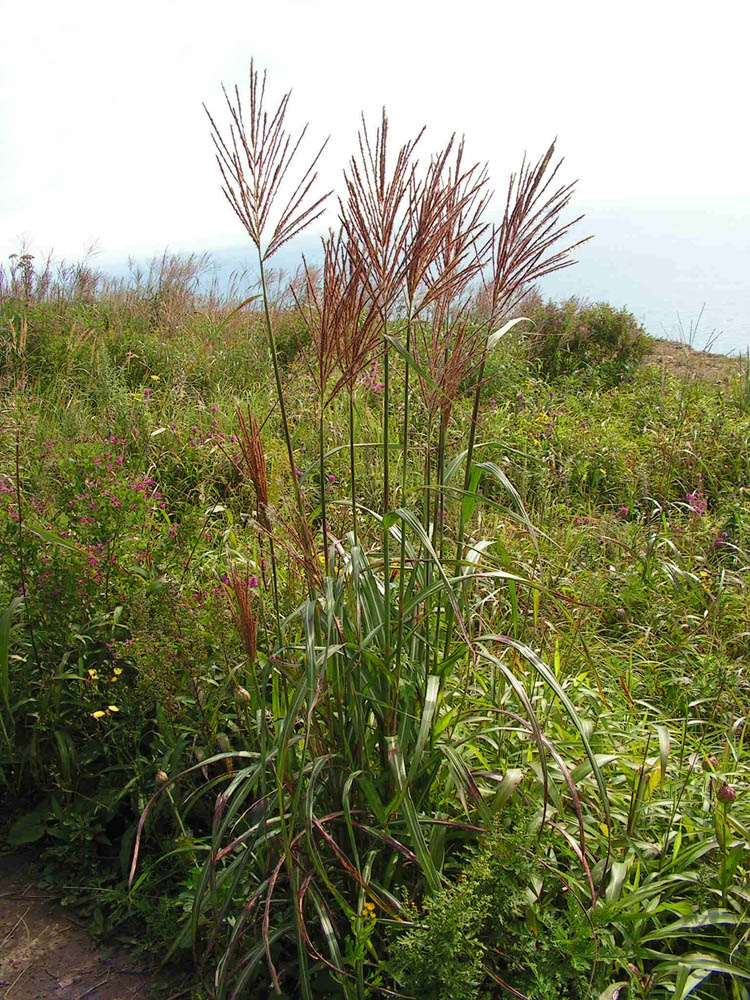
(727, 794)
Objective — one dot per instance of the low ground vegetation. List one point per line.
(434, 685)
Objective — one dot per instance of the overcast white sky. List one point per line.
(103, 138)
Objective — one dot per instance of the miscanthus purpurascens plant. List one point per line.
(361, 760)
(255, 156)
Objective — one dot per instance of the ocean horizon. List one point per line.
(682, 269)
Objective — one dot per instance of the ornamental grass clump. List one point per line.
(372, 738)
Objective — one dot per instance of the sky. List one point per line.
(104, 141)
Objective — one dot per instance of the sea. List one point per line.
(682, 268)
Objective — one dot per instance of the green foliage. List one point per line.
(505, 917)
(576, 335)
(328, 793)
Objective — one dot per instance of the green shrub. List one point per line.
(492, 923)
(573, 334)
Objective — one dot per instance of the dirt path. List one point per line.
(44, 955)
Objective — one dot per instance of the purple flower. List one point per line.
(331, 478)
(623, 512)
(720, 540)
(696, 501)
(252, 581)
(727, 794)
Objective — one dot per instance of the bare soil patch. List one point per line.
(45, 955)
(685, 362)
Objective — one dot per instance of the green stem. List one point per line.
(461, 521)
(437, 539)
(404, 470)
(351, 462)
(321, 473)
(280, 391)
(428, 562)
(470, 456)
(386, 500)
(274, 578)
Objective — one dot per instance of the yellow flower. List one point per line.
(370, 907)
(117, 671)
(156, 377)
(93, 674)
(603, 472)
(112, 708)
(99, 715)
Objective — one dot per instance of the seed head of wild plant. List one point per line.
(251, 447)
(338, 313)
(240, 586)
(460, 234)
(255, 154)
(525, 244)
(374, 215)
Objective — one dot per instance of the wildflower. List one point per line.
(117, 671)
(112, 708)
(93, 674)
(99, 714)
(696, 501)
(156, 377)
(720, 540)
(331, 478)
(623, 512)
(603, 472)
(726, 794)
(252, 581)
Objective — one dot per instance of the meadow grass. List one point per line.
(392, 645)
